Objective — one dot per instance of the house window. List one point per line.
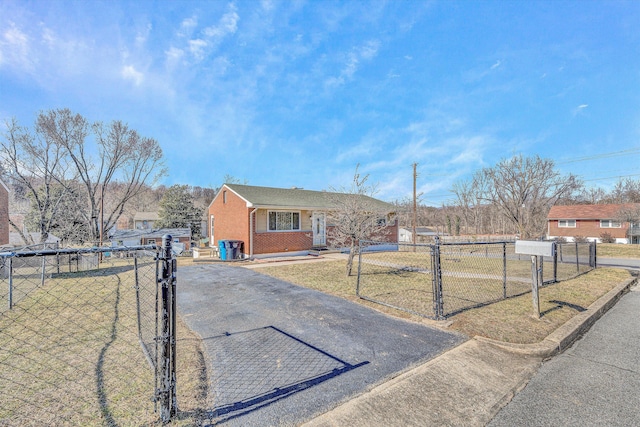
(284, 221)
(382, 222)
(609, 223)
(567, 223)
(151, 241)
(224, 196)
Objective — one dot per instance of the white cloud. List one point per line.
(197, 47)
(187, 26)
(496, 65)
(580, 109)
(130, 73)
(470, 150)
(366, 52)
(228, 24)
(174, 54)
(142, 36)
(15, 49)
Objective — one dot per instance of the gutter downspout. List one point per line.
(251, 215)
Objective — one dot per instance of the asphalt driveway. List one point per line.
(282, 354)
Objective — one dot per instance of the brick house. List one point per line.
(591, 221)
(4, 214)
(278, 220)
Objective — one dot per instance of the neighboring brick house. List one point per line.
(591, 222)
(279, 220)
(4, 214)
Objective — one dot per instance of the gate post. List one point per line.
(167, 356)
(438, 308)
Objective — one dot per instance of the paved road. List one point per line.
(594, 383)
(628, 263)
(282, 354)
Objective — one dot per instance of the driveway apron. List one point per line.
(281, 354)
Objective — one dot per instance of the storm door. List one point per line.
(318, 220)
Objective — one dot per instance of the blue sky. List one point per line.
(297, 93)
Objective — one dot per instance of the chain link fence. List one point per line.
(87, 336)
(439, 280)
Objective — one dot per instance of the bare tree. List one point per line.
(524, 189)
(630, 213)
(37, 165)
(123, 156)
(356, 216)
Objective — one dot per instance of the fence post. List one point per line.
(504, 270)
(44, 269)
(359, 269)
(555, 261)
(10, 296)
(437, 280)
(577, 259)
(167, 392)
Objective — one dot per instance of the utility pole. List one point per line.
(415, 205)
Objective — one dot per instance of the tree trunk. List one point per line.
(352, 255)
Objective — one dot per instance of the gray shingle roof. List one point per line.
(298, 198)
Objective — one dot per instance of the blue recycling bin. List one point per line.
(222, 247)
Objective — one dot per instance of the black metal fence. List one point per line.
(87, 336)
(441, 279)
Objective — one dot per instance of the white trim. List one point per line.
(611, 222)
(567, 221)
(5, 186)
(224, 186)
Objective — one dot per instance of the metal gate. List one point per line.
(87, 336)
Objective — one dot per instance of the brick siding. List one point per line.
(231, 219)
(282, 241)
(586, 228)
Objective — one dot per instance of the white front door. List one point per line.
(319, 229)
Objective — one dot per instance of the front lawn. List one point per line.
(508, 320)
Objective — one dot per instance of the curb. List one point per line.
(563, 337)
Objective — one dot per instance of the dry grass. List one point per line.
(512, 320)
(509, 320)
(613, 250)
(70, 355)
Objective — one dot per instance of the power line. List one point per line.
(612, 177)
(600, 156)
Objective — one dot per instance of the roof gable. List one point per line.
(589, 211)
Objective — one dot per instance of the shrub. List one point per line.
(580, 239)
(607, 238)
(561, 239)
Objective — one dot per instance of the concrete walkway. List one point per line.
(596, 382)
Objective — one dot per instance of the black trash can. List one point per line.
(234, 249)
